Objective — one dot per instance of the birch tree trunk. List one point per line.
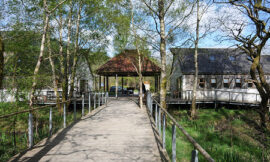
(63, 64)
(195, 81)
(1, 61)
(163, 76)
(139, 59)
(55, 86)
(75, 59)
(40, 58)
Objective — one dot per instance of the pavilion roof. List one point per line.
(126, 64)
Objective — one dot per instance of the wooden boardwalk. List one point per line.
(119, 132)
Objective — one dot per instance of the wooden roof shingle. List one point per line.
(126, 64)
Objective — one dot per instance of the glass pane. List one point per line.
(226, 80)
(213, 80)
(238, 80)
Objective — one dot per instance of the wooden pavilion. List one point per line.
(125, 64)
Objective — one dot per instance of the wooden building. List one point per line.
(125, 64)
(223, 76)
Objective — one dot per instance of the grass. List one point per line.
(16, 127)
(227, 135)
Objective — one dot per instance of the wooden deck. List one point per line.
(119, 132)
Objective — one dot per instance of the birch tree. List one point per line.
(175, 12)
(195, 81)
(139, 69)
(47, 12)
(1, 60)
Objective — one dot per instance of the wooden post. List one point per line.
(74, 110)
(164, 132)
(98, 99)
(95, 100)
(30, 131)
(50, 122)
(83, 104)
(156, 83)
(194, 156)
(173, 143)
(89, 102)
(107, 83)
(99, 86)
(103, 98)
(104, 84)
(122, 85)
(107, 97)
(116, 85)
(64, 124)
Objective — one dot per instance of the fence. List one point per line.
(217, 96)
(94, 100)
(156, 114)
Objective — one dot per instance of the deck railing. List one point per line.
(217, 96)
(98, 98)
(156, 113)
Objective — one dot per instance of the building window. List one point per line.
(212, 58)
(238, 83)
(213, 83)
(201, 82)
(226, 83)
(250, 83)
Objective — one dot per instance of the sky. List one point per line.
(215, 12)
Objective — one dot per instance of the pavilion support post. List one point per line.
(156, 83)
(116, 86)
(107, 83)
(104, 84)
(99, 87)
(122, 85)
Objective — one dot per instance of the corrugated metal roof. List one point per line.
(126, 63)
(213, 61)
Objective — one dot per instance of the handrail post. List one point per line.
(98, 99)
(50, 122)
(83, 104)
(89, 102)
(173, 143)
(64, 115)
(74, 111)
(194, 156)
(151, 103)
(164, 132)
(159, 120)
(30, 131)
(156, 115)
(95, 100)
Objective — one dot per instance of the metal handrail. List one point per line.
(175, 123)
(102, 99)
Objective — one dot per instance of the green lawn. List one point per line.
(227, 135)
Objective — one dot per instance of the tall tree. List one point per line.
(47, 13)
(171, 10)
(1, 60)
(252, 37)
(195, 81)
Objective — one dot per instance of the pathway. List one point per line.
(119, 132)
